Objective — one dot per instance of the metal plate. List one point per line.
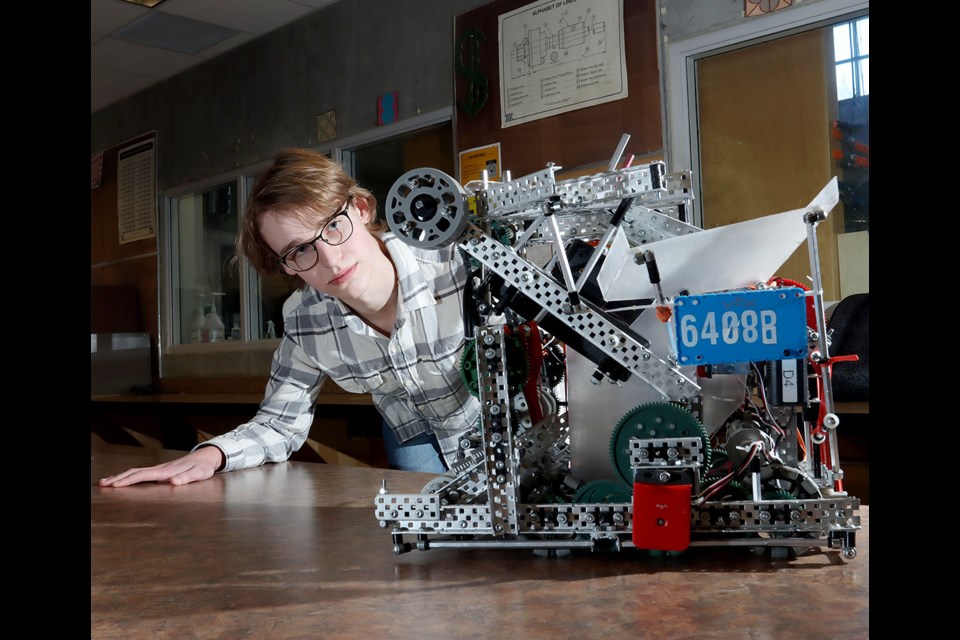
(741, 326)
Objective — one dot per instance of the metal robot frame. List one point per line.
(766, 476)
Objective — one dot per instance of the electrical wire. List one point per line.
(714, 488)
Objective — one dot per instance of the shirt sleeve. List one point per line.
(283, 421)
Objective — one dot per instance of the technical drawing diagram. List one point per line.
(584, 38)
(558, 56)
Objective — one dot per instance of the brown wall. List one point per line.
(114, 264)
(577, 138)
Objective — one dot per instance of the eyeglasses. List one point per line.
(336, 230)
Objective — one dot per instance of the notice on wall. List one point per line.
(96, 169)
(136, 192)
(474, 161)
(560, 55)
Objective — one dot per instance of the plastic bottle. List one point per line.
(235, 329)
(198, 325)
(213, 326)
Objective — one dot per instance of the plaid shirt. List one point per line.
(413, 376)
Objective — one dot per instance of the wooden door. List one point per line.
(764, 116)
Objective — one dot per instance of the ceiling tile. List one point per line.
(106, 16)
(110, 53)
(252, 16)
(175, 33)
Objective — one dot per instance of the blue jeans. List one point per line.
(421, 453)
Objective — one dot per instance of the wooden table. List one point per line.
(293, 550)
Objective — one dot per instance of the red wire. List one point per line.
(811, 309)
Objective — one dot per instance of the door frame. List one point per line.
(682, 123)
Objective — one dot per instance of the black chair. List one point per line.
(850, 322)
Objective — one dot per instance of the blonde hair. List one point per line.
(304, 184)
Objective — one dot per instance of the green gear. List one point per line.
(733, 491)
(604, 491)
(503, 232)
(468, 367)
(518, 365)
(778, 494)
(653, 420)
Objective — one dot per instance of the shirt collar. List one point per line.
(415, 291)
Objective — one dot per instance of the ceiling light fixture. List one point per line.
(145, 3)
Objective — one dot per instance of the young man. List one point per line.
(373, 313)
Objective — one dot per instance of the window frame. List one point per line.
(243, 178)
(681, 128)
(856, 59)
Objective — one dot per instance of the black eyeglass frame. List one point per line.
(283, 260)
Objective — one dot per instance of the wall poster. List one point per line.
(136, 192)
(560, 55)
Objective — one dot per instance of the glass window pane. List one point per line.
(265, 296)
(206, 284)
(845, 81)
(266, 304)
(378, 165)
(863, 36)
(864, 76)
(841, 42)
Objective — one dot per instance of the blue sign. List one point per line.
(741, 326)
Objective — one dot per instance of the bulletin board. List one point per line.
(584, 137)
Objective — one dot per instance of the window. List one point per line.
(203, 227)
(851, 50)
(377, 165)
(851, 130)
(765, 115)
(212, 298)
(212, 303)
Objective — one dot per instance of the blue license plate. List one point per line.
(741, 326)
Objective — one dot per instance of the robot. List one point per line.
(594, 292)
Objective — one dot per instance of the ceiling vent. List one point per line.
(168, 31)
